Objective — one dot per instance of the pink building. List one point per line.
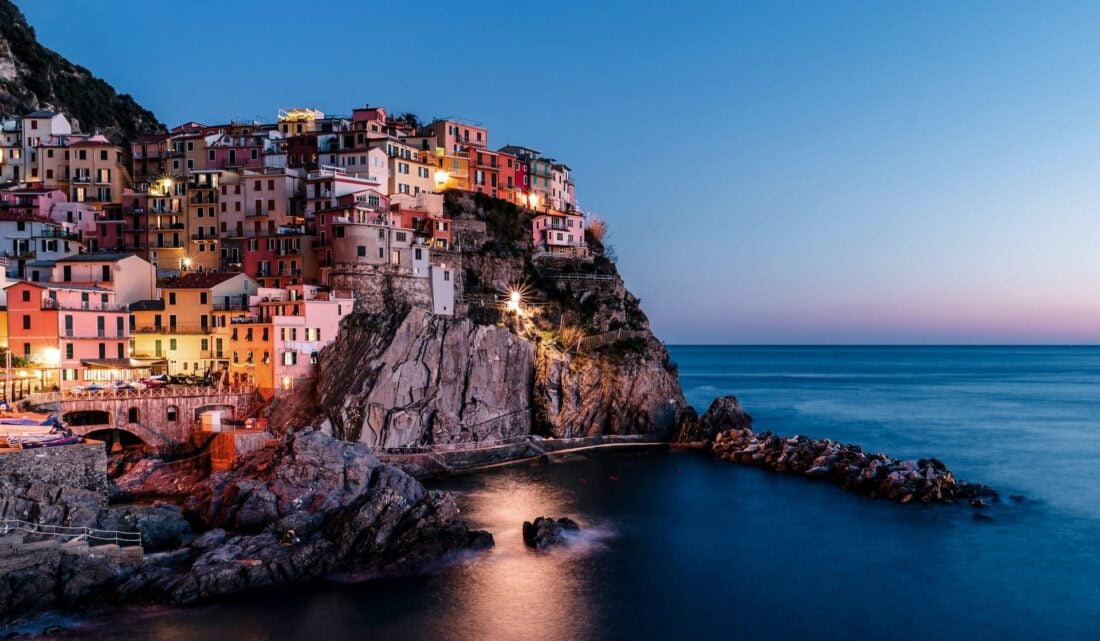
(559, 234)
(71, 333)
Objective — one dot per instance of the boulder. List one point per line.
(545, 531)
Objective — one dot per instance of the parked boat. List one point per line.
(51, 440)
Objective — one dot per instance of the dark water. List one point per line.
(679, 546)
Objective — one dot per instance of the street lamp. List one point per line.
(52, 356)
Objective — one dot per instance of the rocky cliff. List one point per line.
(33, 77)
(579, 361)
(311, 507)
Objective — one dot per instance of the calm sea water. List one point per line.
(679, 546)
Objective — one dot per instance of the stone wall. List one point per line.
(64, 485)
(82, 466)
(378, 288)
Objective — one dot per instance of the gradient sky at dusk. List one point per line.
(789, 172)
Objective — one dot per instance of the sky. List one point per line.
(772, 173)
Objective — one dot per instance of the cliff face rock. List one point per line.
(33, 77)
(413, 378)
(586, 395)
(580, 361)
(309, 508)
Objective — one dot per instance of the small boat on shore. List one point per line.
(26, 432)
(50, 440)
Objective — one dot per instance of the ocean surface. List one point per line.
(676, 545)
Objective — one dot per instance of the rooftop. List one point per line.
(94, 257)
(146, 305)
(201, 280)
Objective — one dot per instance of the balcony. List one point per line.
(172, 329)
(84, 334)
(82, 180)
(50, 232)
(82, 306)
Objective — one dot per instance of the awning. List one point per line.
(123, 363)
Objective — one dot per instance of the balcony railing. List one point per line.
(172, 329)
(82, 306)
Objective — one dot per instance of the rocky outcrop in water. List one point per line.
(725, 413)
(307, 509)
(545, 531)
(873, 475)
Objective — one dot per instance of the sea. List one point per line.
(678, 545)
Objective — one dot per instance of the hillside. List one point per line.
(34, 77)
(580, 361)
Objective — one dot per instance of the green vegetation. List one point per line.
(51, 81)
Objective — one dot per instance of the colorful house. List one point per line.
(66, 330)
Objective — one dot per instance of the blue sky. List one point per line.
(781, 172)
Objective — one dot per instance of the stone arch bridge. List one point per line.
(167, 419)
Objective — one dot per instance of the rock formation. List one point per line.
(725, 413)
(544, 531)
(307, 509)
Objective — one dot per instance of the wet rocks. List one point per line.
(545, 531)
(873, 475)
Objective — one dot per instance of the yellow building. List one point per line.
(452, 170)
(189, 326)
(97, 173)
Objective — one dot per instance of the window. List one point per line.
(172, 413)
(26, 321)
(171, 298)
(133, 416)
(26, 296)
(69, 351)
(202, 297)
(362, 251)
(290, 358)
(171, 344)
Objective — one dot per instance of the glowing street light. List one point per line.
(441, 177)
(515, 299)
(51, 356)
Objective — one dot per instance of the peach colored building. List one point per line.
(275, 347)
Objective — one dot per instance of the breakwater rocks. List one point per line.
(309, 508)
(727, 431)
(873, 475)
